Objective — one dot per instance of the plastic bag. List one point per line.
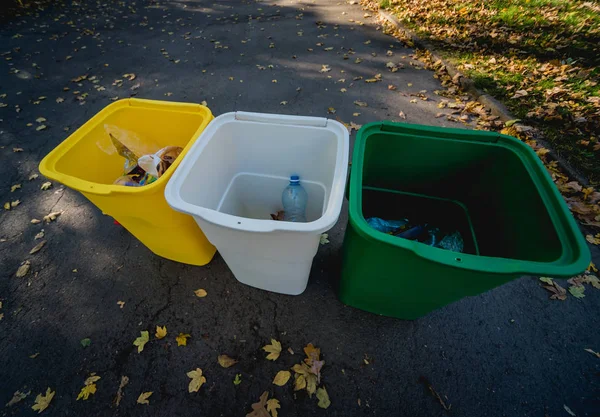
(157, 163)
(128, 138)
(386, 226)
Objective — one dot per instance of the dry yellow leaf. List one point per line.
(201, 293)
(35, 221)
(23, 269)
(40, 119)
(6, 206)
(141, 341)
(312, 354)
(37, 247)
(160, 331)
(60, 100)
(39, 235)
(15, 187)
(272, 406)
(40, 127)
(43, 401)
(89, 387)
(323, 398)
(182, 339)
(282, 378)
(225, 361)
(360, 103)
(52, 216)
(33, 176)
(14, 204)
(300, 382)
(120, 303)
(45, 186)
(311, 384)
(17, 149)
(197, 380)
(143, 398)
(274, 350)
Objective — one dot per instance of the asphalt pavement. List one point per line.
(508, 352)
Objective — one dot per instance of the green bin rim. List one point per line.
(575, 257)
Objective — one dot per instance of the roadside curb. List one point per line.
(496, 107)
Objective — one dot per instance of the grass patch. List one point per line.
(548, 48)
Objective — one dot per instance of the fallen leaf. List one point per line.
(130, 77)
(272, 406)
(121, 303)
(197, 380)
(143, 398)
(15, 187)
(45, 186)
(35, 221)
(6, 206)
(52, 216)
(33, 177)
(274, 350)
(435, 394)
(119, 396)
(37, 247)
(355, 114)
(43, 401)
(568, 410)
(258, 409)
(331, 110)
(86, 342)
(520, 93)
(323, 241)
(60, 100)
(325, 68)
(323, 398)
(558, 292)
(35, 355)
(89, 387)
(392, 87)
(283, 103)
(182, 339)
(17, 149)
(40, 119)
(355, 126)
(299, 382)
(135, 87)
(41, 127)
(161, 332)
(225, 361)
(201, 293)
(12, 205)
(23, 269)
(282, 378)
(237, 380)
(141, 341)
(577, 291)
(594, 240)
(18, 396)
(402, 115)
(361, 103)
(39, 235)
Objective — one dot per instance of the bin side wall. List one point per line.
(395, 282)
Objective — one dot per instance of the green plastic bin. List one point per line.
(490, 187)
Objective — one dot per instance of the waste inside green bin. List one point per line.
(492, 188)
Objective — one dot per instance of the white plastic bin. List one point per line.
(232, 179)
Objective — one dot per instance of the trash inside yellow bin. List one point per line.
(83, 162)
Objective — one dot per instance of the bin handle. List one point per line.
(281, 119)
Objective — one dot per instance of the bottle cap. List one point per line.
(294, 178)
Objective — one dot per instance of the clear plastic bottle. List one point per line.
(294, 200)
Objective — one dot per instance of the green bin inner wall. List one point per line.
(508, 217)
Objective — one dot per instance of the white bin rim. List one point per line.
(334, 202)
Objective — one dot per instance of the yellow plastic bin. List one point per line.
(81, 162)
